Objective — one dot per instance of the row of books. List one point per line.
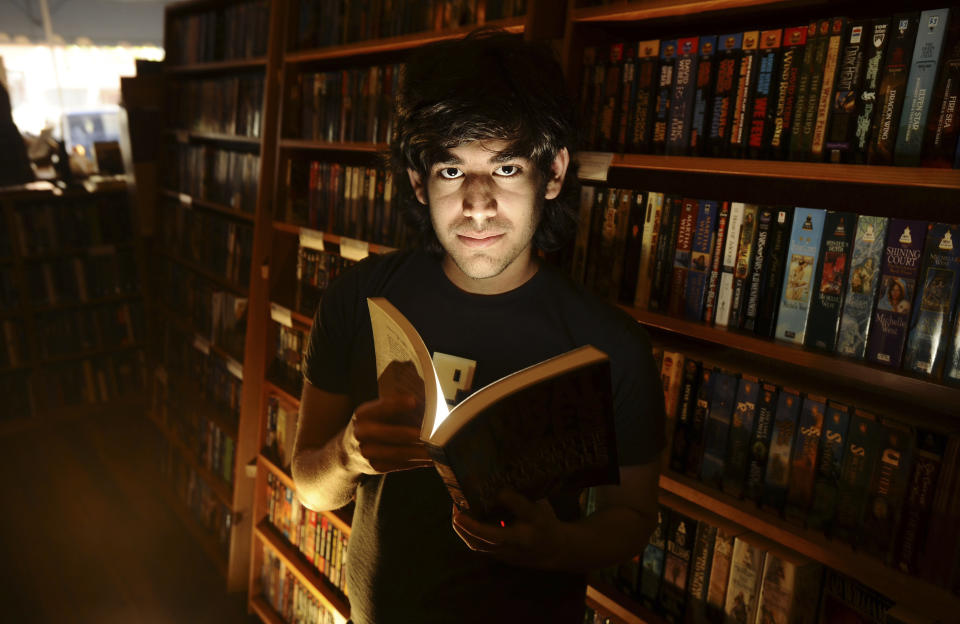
(19, 403)
(880, 91)
(344, 105)
(222, 34)
(100, 273)
(315, 270)
(92, 381)
(190, 489)
(72, 224)
(13, 354)
(9, 293)
(699, 568)
(228, 106)
(348, 200)
(337, 23)
(68, 332)
(286, 367)
(217, 243)
(868, 481)
(320, 542)
(294, 603)
(281, 427)
(862, 286)
(214, 174)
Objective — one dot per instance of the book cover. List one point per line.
(651, 572)
(830, 282)
(760, 442)
(771, 276)
(685, 413)
(936, 301)
(651, 240)
(687, 223)
(898, 277)
(801, 257)
(719, 577)
(741, 268)
(664, 85)
(919, 88)
(566, 402)
(717, 427)
(752, 303)
(746, 567)
(729, 48)
(824, 109)
(925, 472)
(641, 116)
(724, 297)
(803, 458)
(802, 140)
(763, 109)
(676, 566)
(846, 94)
(681, 102)
(743, 93)
(703, 94)
(700, 562)
(875, 40)
(663, 259)
(865, 258)
(859, 459)
(888, 489)
(892, 92)
(777, 473)
(741, 432)
(844, 599)
(943, 123)
(633, 247)
(789, 589)
(695, 441)
(701, 257)
(835, 425)
(787, 87)
(716, 263)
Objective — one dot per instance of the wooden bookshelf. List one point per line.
(186, 136)
(216, 66)
(206, 541)
(260, 606)
(211, 275)
(304, 144)
(227, 211)
(607, 599)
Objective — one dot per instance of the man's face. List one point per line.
(485, 209)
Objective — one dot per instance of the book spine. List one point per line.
(664, 94)
(901, 267)
(719, 574)
(663, 269)
(706, 78)
(864, 276)
(627, 94)
(836, 422)
(875, 44)
(859, 458)
(698, 423)
(700, 260)
(890, 96)
(928, 459)
(771, 277)
(798, 273)
(793, 147)
(844, 107)
(887, 490)
(800, 148)
(777, 474)
(788, 84)
(716, 260)
(764, 220)
(676, 565)
(743, 92)
(919, 88)
(951, 372)
(831, 62)
(685, 413)
(651, 236)
(700, 564)
(760, 442)
(724, 95)
(943, 125)
(610, 100)
(763, 108)
(717, 428)
(681, 102)
(746, 566)
(804, 458)
(731, 246)
(641, 126)
(831, 277)
(687, 222)
(741, 269)
(651, 573)
(741, 432)
(633, 249)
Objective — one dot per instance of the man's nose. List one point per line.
(479, 198)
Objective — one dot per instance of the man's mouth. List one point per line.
(478, 241)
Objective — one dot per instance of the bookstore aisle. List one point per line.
(84, 538)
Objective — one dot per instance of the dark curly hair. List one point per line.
(489, 85)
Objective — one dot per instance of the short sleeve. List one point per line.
(331, 338)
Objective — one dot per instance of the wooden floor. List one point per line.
(81, 543)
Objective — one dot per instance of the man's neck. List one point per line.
(516, 275)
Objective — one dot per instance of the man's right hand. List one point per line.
(384, 436)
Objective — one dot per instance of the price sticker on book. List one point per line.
(235, 368)
(311, 239)
(185, 200)
(281, 315)
(595, 165)
(201, 344)
(353, 249)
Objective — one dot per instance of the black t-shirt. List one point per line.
(406, 564)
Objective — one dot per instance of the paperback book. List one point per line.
(798, 276)
(865, 258)
(831, 277)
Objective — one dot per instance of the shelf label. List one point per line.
(353, 249)
(281, 315)
(594, 165)
(250, 470)
(201, 344)
(235, 368)
(185, 200)
(101, 250)
(312, 239)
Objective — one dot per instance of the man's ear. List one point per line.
(416, 181)
(558, 170)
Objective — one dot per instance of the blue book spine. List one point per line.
(803, 462)
(741, 431)
(717, 428)
(923, 73)
(681, 104)
(781, 446)
(865, 260)
(706, 75)
(828, 465)
(798, 274)
(664, 94)
(701, 255)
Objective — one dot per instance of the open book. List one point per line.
(541, 430)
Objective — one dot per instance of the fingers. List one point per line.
(476, 535)
(400, 409)
(386, 435)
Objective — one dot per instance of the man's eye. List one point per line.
(450, 173)
(507, 170)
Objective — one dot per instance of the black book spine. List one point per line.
(841, 135)
(875, 45)
(892, 92)
(771, 278)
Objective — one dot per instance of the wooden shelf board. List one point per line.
(339, 517)
(843, 370)
(216, 66)
(285, 397)
(654, 9)
(205, 272)
(223, 209)
(306, 144)
(186, 326)
(305, 573)
(333, 239)
(920, 595)
(185, 136)
(916, 177)
(395, 44)
(611, 601)
(260, 606)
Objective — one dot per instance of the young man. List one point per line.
(484, 135)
